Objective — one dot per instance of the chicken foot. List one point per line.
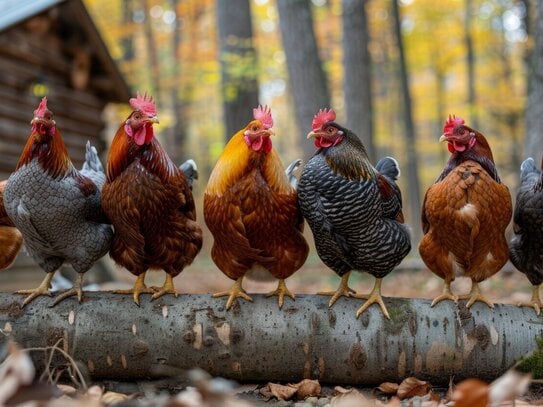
(167, 288)
(475, 295)
(373, 297)
(535, 301)
(77, 289)
(446, 295)
(139, 288)
(235, 291)
(43, 289)
(281, 292)
(342, 291)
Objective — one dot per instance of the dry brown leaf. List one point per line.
(412, 387)
(94, 392)
(307, 388)
(471, 393)
(388, 388)
(110, 397)
(508, 386)
(349, 398)
(281, 392)
(65, 389)
(16, 371)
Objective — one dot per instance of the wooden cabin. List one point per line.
(52, 48)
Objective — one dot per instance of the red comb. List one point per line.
(451, 123)
(40, 111)
(146, 104)
(264, 115)
(324, 116)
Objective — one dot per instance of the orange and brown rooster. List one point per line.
(465, 214)
(11, 239)
(149, 202)
(250, 208)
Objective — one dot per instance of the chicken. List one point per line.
(56, 207)
(150, 204)
(354, 209)
(11, 239)
(465, 213)
(250, 208)
(526, 247)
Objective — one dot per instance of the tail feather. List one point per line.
(292, 180)
(389, 167)
(190, 170)
(92, 167)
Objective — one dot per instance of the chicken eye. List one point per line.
(330, 130)
(254, 128)
(137, 115)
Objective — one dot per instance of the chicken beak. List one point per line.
(154, 120)
(312, 134)
(270, 132)
(443, 138)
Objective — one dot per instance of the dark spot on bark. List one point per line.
(315, 323)
(413, 325)
(464, 313)
(365, 319)
(13, 310)
(209, 341)
(54, 337)
(291, 310)
(237, 335)
(435, 323)
(223, 355)
(445, 324)
(482, 335)
(332, 318)
(188, 337)
(357, 356)
(140, 348)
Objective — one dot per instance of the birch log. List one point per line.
(117, 340)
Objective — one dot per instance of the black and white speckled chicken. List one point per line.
(526, 247)
(354, 209)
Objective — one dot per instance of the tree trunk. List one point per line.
(238, 64)
(112, 338)
(308, 84)
(470, 62)
(357, 66)
(534, 104)
(151, 46)
(413, 192)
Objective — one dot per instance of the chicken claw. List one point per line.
(43, 289)
(446, 295)
(167, 288)
(139, 288)
(372, 298)
(281, 292)
(342, 291)
(475, 295)
(75, 290)
(535, 302)
(235, 291)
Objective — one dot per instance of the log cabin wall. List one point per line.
(58, 53)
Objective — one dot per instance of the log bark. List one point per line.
(117, 340)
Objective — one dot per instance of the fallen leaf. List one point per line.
(349, 398)
(508, 386)
(281, 392)
(307, 388)
(110, 397)
(16, 370)
(66, 389)
(388, 388)
(412, 387)
(471, 393)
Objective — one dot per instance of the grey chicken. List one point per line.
(526, 247)
(56, 207)
(354, 209)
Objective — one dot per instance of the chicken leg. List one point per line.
(373, 297)
(475, 295)
(535, 302)
(342, 291)
(77, 289)
(446, 295)
(281, 291)
(167, 288)
(139, 288)
(43, 289)
(235, 291)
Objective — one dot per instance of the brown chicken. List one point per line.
(11, 239)
(250, 208)
(150, 204)
(465, 214)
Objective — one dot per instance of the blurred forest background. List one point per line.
(393, 70)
